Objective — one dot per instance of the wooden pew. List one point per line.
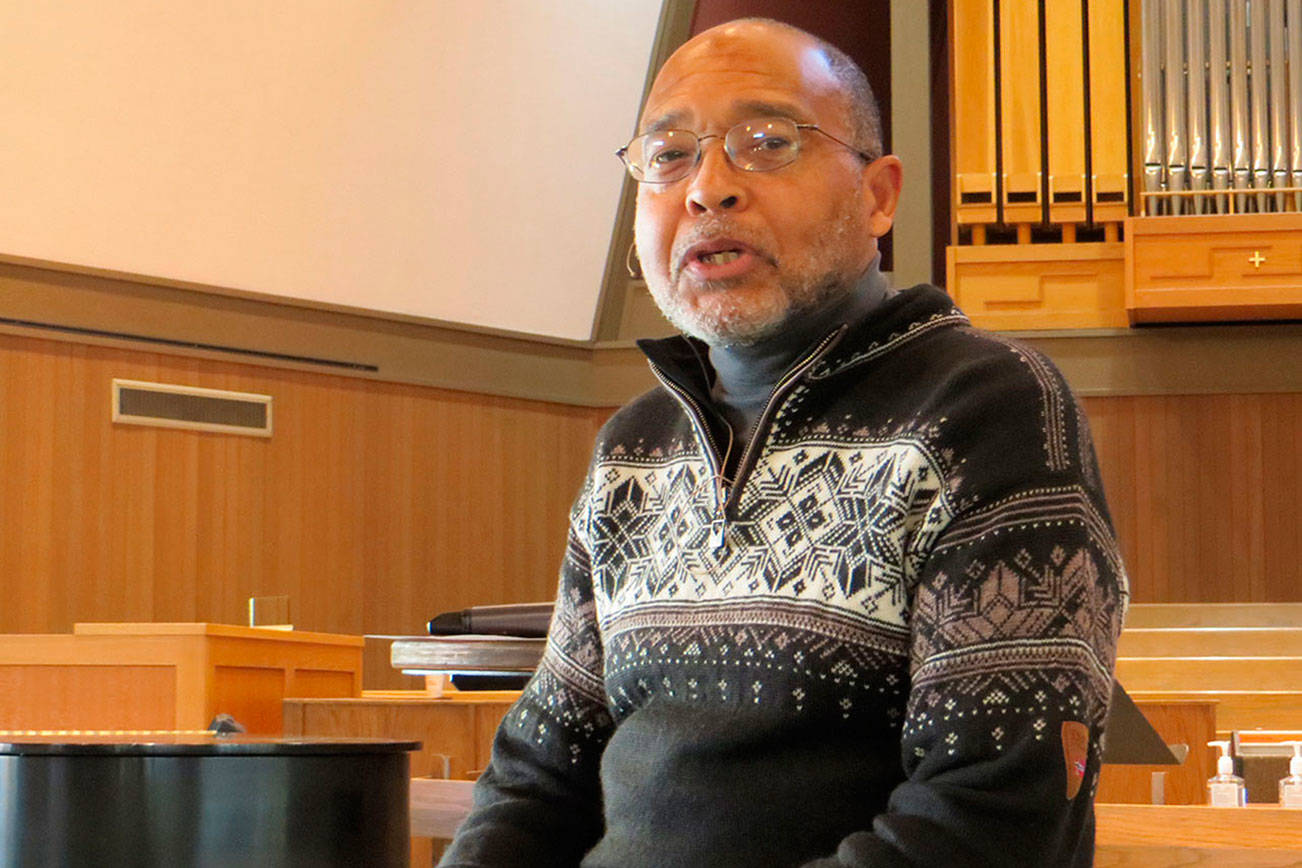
(1214, 615)
(1210, 642)
(1210, 673)
(1164, 836)
(1244, 660)
(1243, 710)
(1245, 657)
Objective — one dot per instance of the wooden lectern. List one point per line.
(168, 676)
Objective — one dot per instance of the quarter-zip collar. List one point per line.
(680, 363)
(745, 376)
(902, 314)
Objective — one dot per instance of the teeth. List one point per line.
(721, 258)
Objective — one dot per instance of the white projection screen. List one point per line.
(444, 159)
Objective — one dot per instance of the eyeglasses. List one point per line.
(759, 145)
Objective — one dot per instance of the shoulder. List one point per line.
(648, 411)
(998, 405)
(652, 425)
(999, 370)
(1012, 411)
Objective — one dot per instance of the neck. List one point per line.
(747, 374)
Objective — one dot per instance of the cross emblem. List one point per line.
(1256, 259)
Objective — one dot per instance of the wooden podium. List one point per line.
(168, 676)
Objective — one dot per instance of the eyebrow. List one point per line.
(764, 109)
(667, 121)
(745, 109)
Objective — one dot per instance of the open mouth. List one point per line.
(719, 257)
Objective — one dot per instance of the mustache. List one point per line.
(712, 228)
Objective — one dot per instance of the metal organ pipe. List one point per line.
(1222, 105)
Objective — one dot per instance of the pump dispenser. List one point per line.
(1225, 789)
(1290, 788)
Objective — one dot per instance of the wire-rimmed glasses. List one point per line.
(759, 145)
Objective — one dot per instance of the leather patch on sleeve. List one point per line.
(1075, 748)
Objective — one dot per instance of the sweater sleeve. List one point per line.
(538, 803)
(1017, 602)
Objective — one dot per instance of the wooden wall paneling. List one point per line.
(1206, 513)
(24, 418)
(376, 505)
(1203, 491)
(1282, 492)
(1148, 467)
(1187, 474)
(294, 508)
(373, 505)
(1247, 489)
(1112, 426)
(180, 468)
(1172, 509)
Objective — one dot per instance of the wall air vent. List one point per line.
(195, 409)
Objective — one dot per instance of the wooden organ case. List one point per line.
(1120, 162)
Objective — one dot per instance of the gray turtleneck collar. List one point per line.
(746, 375)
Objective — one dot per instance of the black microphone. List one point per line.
(525, 620)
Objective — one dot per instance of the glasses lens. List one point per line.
(761, 145)
(662, 156)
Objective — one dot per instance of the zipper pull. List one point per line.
(718, 537)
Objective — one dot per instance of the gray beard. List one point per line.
(744, 328)
(803, 287)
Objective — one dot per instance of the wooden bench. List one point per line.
(1214, 615)
(1210, 642)
(1210, 673)
(1245, 657)
(1242, 710)
(1165, 836)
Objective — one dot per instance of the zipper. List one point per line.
(779, 393)
(712, 460)
(724, 499)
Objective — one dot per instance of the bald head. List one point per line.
(823, 66)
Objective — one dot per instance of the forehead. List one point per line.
(723, 77)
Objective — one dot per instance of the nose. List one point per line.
(717, 184)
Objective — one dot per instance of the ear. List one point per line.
(882, 179)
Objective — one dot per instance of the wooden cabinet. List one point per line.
(1214, 268)
(1039, 286)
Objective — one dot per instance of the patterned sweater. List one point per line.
(888, 641)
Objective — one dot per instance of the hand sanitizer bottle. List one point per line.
(1225, 789)
(1290, 788)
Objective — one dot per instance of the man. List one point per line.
(844, 591)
